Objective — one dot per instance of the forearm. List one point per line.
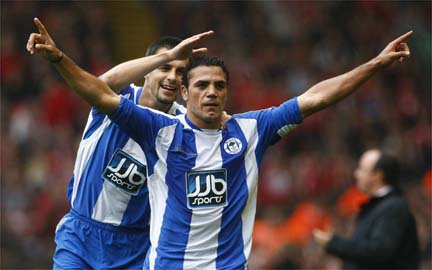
(332, 90)
(131, 71)
(87, 86)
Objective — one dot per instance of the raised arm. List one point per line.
(96, 92)
(330, 91)
(131, 71)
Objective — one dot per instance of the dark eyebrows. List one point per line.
(205, 82)
(201, 82)
(165, 66)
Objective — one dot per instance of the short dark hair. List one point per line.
(167, 42)
(389, 165)
(203, 60)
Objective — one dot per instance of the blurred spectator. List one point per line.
(385, 236)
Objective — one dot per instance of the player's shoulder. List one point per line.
(156, 112)
(131, 92)
(176, 109)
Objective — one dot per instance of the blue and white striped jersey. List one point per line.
(109, 178)
(203, 183)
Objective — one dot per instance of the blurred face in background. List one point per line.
(367, 178)
(164, 82)
(206, 96)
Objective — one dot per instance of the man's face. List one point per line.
(165, 81)
(206, 96)
(367, 178)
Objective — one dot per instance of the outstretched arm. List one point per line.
(330, 91)
(131, 71)
(96, 92)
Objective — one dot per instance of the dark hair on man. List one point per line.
(389, 165)
(167, 42)
(203, 60)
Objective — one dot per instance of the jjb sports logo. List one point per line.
(125, 172)
(206, 188)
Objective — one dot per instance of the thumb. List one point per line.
(398, 55)
(43, 47)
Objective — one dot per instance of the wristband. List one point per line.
(59, 59)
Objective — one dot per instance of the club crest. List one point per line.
(233, 146)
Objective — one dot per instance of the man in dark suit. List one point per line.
(385, 236)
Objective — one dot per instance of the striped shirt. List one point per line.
(110, 172)
(203, 183)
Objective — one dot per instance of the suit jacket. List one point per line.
(385, 237)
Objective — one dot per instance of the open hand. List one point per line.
(190, 46)
(43, 44)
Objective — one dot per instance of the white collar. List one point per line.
(382, 191)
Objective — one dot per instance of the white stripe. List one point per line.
(176, 106)
(250, 131)
(112, 201)
(111, 204)
(85, 151)
(158, 189)
(201, 250)
(61, 222)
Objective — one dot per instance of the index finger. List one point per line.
(204, 34)
(40, 26)
(403, 37)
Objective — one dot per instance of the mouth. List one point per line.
(169, 87)
(210, 105)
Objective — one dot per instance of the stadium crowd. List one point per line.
(274, 50)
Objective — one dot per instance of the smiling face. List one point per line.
(163, 83)
(206, 96)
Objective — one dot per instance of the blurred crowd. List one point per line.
(274, 51)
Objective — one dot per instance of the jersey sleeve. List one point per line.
(96, 118)
(276, 122)
(140, 123)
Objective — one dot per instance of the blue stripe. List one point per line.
(97, 120)
(138, 209)
(176, 221)
(98, 117)
(231, 248)
(70, 189)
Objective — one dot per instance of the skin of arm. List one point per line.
(328, 92)
(93, 90)
(131, 71)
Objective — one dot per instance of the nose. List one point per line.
(172, 76)
(212, 92)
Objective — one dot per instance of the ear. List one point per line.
(184, 93)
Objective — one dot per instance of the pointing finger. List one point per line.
(40, 26)
(199, 51)
(403, 37)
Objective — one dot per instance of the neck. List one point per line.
(214, 123)
(147, 99)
